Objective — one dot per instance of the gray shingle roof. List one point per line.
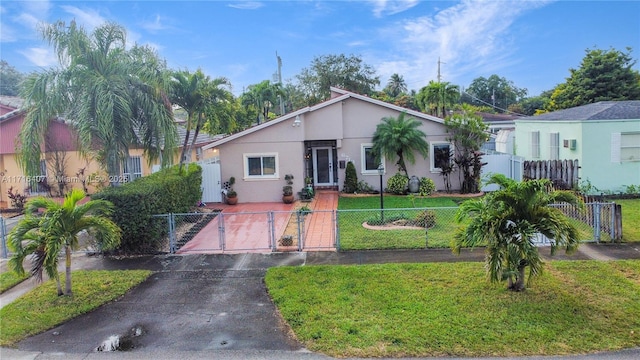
(603, 110)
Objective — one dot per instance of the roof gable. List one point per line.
(338, 95)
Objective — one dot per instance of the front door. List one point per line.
(323, 166)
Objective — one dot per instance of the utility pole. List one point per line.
(279, 74)
(439, 62)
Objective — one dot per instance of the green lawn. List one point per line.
(357, 210)
(630, 219)
(9, 279)
(449, 309)
(42, 309)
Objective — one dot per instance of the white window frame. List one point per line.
(629, 145)
(432, 156)
(554, 146)
(535, 144)
(245, 165)
(363, 160)
(132, 168)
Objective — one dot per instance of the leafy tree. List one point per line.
(196, 93)
(395, 86)
(603, 75)
(10, 79)
(436, 97)
(45, 235)
(111, 95)
(495, 91)
(468, 133)
(399, 137)
(349, 73)
(507, 221)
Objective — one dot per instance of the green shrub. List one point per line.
(427, 186)
(365, 188)
(426, 218)
(350, 179)
(397, 184)
(167, 191)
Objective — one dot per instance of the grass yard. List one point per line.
(450, 309)
(41, 309)
(630, 219)
(357, 210)
(9, 279)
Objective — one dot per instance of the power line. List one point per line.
(491, 105)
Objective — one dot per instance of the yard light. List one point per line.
(381, 172)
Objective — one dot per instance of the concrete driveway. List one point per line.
(191, 303)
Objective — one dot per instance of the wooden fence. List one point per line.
(562, 173)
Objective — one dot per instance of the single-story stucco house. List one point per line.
(317, 142)
(604, 137)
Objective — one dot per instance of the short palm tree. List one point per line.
(507, 221)
(45, 234)
(399, 137)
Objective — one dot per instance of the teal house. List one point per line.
(604, 137)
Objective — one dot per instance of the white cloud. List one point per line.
(40, 56)
(89, 19)
(246, 5)
(470, 37)
(158, 24)
(390, 7)
(29, 20)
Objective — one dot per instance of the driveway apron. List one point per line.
(192, 306)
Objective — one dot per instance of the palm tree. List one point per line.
(113, 97)
(507, 221)
(56, 228)
(399, 137)
(195, 92)
(396, 86)
(436, 97)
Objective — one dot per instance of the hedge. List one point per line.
(166, 191)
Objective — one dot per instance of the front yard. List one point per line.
(449, 309)
(357, 212)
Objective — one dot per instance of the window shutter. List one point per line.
(615, 147)
(535, 144)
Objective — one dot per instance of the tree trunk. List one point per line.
(58, 286)
(195, 134)
(186, 140)
(67, 282)
(519, 284)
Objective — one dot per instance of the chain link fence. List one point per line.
(416, 228)
(342, 230)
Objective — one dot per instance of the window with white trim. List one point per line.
(368, 159)
(261, 166)
(554, 146)
(132, 168)
(630, 146)
(535, 144)
(441, 154)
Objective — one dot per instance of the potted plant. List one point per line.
(232, 195)
(287, 190)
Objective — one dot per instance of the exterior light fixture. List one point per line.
(297, 121)
(381, 172)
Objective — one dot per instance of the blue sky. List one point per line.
(532, 43)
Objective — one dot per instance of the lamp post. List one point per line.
(381, 172)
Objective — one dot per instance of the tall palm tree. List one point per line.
(507, 221)
(396, 86)
(399, 137)
(112, 96)
(195, 92)
(56, 228)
